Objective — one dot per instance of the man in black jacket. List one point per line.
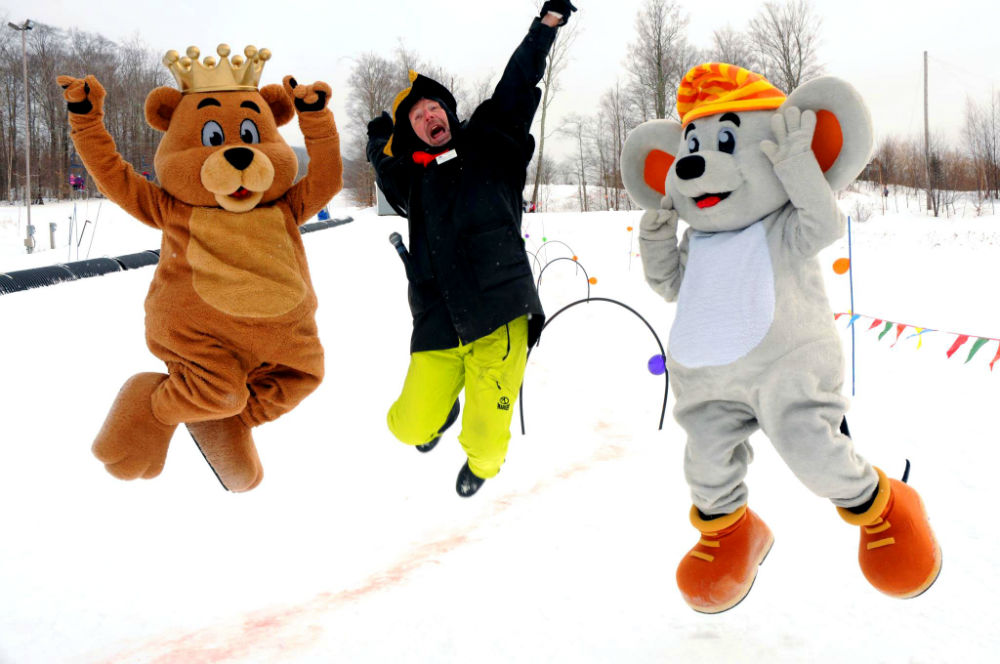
(471, 292)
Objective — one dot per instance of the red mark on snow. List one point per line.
(271, 634)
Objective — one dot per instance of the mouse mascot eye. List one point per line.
(727, 141)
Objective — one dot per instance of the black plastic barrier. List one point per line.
(39, 277)
(93, 267)
(141, 259)
(320, 225)
(36, 278)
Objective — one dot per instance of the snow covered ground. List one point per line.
(355, 548)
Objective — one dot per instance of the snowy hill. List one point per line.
(355, 548)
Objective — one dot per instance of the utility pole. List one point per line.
(29, 238)
(927, 144)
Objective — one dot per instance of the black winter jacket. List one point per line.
(469, 273)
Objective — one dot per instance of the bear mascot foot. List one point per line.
(898, 552)
(719, 571)
(133, 443)
(228, 447)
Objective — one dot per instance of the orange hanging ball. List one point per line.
(842, 265)
(629, 229)
(593, 280)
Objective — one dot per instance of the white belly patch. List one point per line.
(726, 303)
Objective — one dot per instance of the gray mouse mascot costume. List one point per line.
(753, 344)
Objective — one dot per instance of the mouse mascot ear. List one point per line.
(647, 156)
(843, 141)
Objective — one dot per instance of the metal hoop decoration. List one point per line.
(666, 374)
(538, 283)
(548, 242)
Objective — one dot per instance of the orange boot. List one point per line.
(133, 443)
(898, 553)
(718, 572)
(228, 447)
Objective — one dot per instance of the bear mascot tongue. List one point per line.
(231, 308)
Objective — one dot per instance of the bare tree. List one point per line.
(576, 127)
(10, 93)
(557, 59)
(786, 37)
(659, 56)
(480, 90)
(735, 48)
(982, 135)
(616, 118)
(372, 84)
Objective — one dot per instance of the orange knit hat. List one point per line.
(715, 87)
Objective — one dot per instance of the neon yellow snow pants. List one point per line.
(491, 369)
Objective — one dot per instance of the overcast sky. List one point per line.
(877, 46)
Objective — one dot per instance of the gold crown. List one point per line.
(226, 74)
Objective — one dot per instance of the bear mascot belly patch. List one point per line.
(261, 279)
(231, 308)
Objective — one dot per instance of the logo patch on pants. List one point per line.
(503, 404)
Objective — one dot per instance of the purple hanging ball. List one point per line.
(657, 365)
(526, 235)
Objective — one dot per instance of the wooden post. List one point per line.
(927, 144)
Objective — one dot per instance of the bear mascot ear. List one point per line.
(160, 106)
(647, 156)
(280, 103)
(844, 140)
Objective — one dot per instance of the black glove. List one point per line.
(380, 127)
(564, 7)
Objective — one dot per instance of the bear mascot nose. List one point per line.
(240, 158)
(688, 168)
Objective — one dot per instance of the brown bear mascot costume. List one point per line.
(231, 307)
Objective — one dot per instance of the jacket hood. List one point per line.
(403, 140)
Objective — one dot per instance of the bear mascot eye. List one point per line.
(693, 144)
(211, 134)
(248, 132)
(727, 141)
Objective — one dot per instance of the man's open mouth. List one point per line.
(708, 200)
(241, 194)
(436, 131)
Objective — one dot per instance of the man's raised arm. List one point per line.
(516, 97)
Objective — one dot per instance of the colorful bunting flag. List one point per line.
(919, 332)
(899, 331)
(962, 338)
(995, 358)
(980, 342)
(919, 335)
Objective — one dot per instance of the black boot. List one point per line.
(452, 416)
(468, 482)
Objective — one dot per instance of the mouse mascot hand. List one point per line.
(231, 307)
(753, 345)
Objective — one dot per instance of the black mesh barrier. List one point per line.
(38, 277)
